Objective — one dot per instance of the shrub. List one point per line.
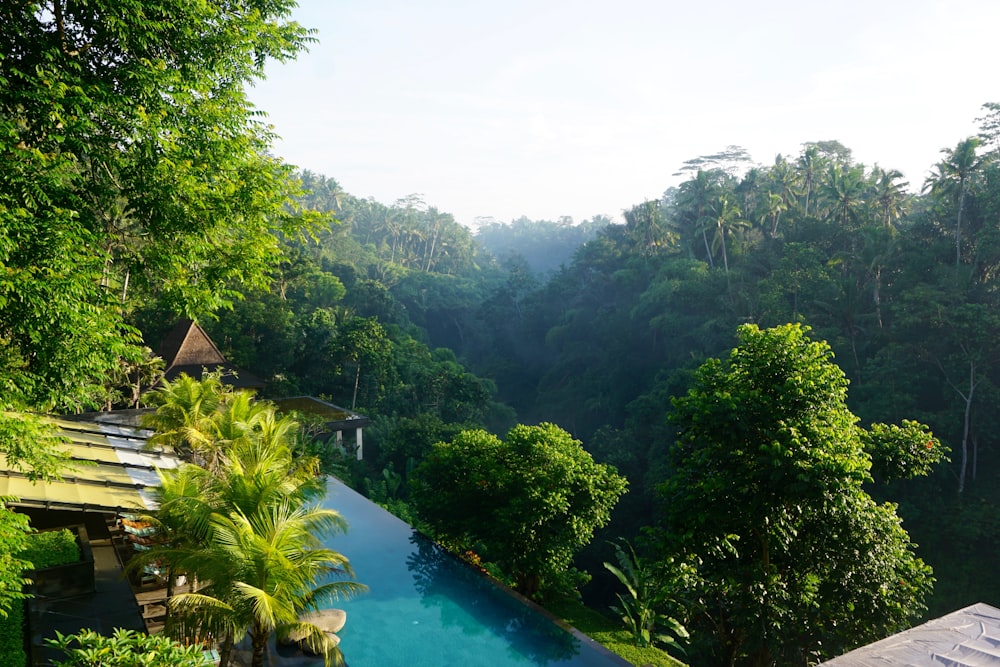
(51, 548)
(12, 636)
(126, 648)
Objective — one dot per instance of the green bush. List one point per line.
(12, 636)
(51, 548)
(126, 648)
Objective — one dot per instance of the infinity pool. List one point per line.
(426, 608)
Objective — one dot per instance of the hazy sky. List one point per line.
(547, 108)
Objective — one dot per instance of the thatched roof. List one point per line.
(188, 349)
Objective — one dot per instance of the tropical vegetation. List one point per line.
(125, 648)
(788, 558)
(138, 185)
(526, 503)
(244, 524)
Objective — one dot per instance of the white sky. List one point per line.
(547, 108)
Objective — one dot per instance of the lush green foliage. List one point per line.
(133, 170)
(12, 633)
(792, 559)
(638, 609)
(14, 533)
(527, 503)
(51, 548)
(602, 345)
(902, 452)
(31, 444)
(125, 648)
(244, 523)
(133, 165)
(609, 633)
(136, 185)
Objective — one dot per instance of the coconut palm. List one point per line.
(809, 166)
(785, 184)
(265, 569)
(186, 409)
(694, 202)
(180, 521)
(953, 178)
(725, 219)
(843, 193)
(889, 193)
(249, 531)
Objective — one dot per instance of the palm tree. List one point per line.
(726, 218)
(254, 542)
(785, 182)
(265, 569)
(249, 531)
(843, 192)
(809, 166)
(890, 194)
(646, 226)
(954, 178)
(186, 408)
(179, 521)
(694, 201)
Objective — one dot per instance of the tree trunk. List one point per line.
(357, 381)
(966, 427)
(258, 639)
(225, 650)
(125, 286)
(708, 249)
(958, 224)
(170, 590)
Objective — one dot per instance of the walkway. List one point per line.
(111, 606)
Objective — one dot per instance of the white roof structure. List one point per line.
(968, 637)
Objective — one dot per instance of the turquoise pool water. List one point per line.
(426, 608)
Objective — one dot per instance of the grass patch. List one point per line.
(610, 633)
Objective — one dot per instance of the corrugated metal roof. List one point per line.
(968, 637)
(109, 470)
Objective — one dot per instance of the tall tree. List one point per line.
(810, 167)
(790, 559)
(889, 194)
(785, 184)
(726, 218)
(131, 162)
(953, 178)
(693, 206)
(843, 193)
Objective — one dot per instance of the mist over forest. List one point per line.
(596, 326)
(752, 422)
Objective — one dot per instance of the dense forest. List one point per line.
(429, 328)
(836, 317)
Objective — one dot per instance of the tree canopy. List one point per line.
(790, 558)
(527, 503)
(133, 170)
(131, 162)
